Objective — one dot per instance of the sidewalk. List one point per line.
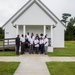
(34, 64)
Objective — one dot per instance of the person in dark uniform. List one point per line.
(17, 41)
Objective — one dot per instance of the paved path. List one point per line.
(30, 64)
(34, 64)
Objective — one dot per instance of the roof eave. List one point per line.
(51, 12)
(16, 13)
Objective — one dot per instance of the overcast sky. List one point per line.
(9, 7)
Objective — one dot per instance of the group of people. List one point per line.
(32, 44)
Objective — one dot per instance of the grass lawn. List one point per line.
(69, 50)
(7, 53)
(8, 68)
(61, 68)
(1, 43)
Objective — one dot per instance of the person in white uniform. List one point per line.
(36, 42)
(46, 44)
(41, 35)
(33, 36)
(28, 35)
(31, 45)
(22, 44)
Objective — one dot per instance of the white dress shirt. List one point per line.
(41, 41)
(31, 41)
(22, 39)
(28, 37)
(46, 42)
(33, 37)
(36, 43)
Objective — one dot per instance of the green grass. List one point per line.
(1, 43)
(61, 68)
(7, 53)
(8, 68)
(69, 50)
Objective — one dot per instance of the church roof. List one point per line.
(29, 4)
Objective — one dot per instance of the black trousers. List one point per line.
(41, 48)
(36, 50)
(22, 48)
(31, 50)
(17, 49)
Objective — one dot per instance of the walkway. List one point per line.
(34, 64)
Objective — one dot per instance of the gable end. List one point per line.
(37, 5)
(51, 12)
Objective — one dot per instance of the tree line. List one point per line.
(1, 33)
(70, 26)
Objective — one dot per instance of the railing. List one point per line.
(7, 43)
(10, 43)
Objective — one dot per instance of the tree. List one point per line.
(1, 33)
(74, 33)
(65, 17)
(69, 32)
(72, 20)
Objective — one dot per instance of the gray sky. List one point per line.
(9, 7)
